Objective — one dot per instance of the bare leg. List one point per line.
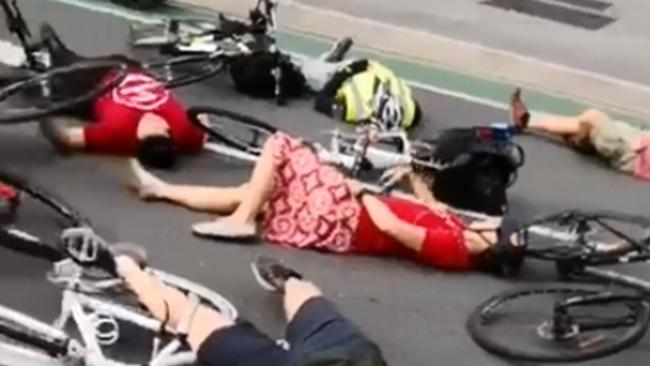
(259, 187)
(559, 126)
(215, 199)
(203, 198)
(556, 125)
(167, 303)
(241, 223)
(296, 293)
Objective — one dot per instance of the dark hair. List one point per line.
(157, 151)
(503, 258)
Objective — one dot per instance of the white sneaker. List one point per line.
(223, 228)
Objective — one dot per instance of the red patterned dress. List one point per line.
(311, 207)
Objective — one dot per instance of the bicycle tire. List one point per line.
(32, 113)
(209, 66)
(574, 250)
(477, 325)
(214, 132)
(49, 199)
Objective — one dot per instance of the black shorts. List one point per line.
(318, 334)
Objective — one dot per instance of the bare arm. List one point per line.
(63, 138)
(405, 233)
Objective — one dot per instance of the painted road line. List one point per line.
(434, 78)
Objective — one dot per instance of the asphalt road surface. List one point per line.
(416, 314)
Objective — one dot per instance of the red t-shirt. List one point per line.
(118, 113)
(443, 247)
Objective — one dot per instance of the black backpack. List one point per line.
(253, 75)
(481, 164)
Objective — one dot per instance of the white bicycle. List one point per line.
(93, 305)
(236, 135)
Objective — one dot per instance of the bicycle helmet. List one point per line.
(504, 257)
(387, 109)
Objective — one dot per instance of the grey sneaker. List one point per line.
(339, 50)
(271, 274)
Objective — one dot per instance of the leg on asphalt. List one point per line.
(168, 304)
(296, 293)
(242, 222)
(222, 200)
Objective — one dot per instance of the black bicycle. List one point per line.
(572, 323)
(90, 327)
(34, 215)
(198, 49)
(34, 89)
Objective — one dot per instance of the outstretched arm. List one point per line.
(387, 222)
(64, 139)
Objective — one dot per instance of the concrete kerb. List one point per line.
(490, 64)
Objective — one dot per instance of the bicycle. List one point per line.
(573, 323)
(205, 47)
(86, 302)
(243, 137)
(43, 85)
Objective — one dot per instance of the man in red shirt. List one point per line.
(139, 117)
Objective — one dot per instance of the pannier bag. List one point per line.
(481, 163)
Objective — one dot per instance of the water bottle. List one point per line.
(502, 131)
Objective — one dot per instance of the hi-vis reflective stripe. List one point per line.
(360, 105)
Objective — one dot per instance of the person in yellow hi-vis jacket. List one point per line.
(356, 90)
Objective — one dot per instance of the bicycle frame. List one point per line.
(379, 158)
(60, 348)
(17, 25)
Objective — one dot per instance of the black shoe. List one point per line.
(60, 54)
(339, 50)
(272, 275)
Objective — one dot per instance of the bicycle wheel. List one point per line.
(47, 93)
(184, 70)
(589, 235)
(36, 216)
(49, 199)
(244, 133)
(519, 325)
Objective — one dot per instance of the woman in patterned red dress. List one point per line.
(303, 203)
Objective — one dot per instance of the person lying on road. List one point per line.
(354, 90)
(317, 333)
(139, 117)
(306, 204)
(622, 146)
